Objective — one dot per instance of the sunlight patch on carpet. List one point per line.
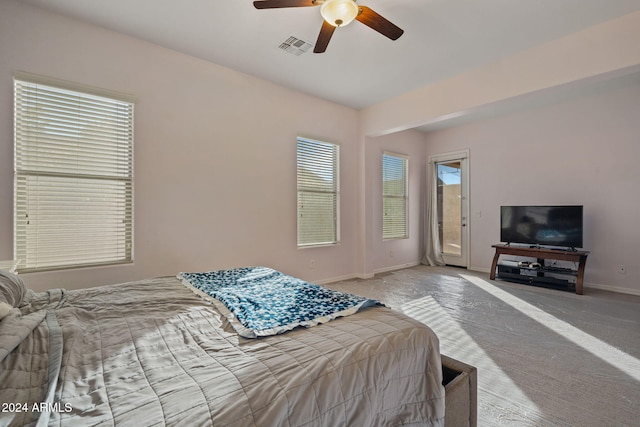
(514, 405)
(606, 352)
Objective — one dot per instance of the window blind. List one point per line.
(73, 187)
(318, 192)
(394, 196)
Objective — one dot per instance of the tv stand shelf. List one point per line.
(537, 275)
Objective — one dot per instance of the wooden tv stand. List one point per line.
(541, 254)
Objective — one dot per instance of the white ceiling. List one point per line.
(360, 67)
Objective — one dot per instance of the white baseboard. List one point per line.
(616, 289)
(479, 269)
(338, 279)
(367, 275)
(395, 267)
(586, 285)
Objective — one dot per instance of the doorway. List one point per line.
(451, 188)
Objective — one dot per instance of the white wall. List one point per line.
(215, 150)
(386, 255)
(598, 52)
(212, 145)
(581, 151)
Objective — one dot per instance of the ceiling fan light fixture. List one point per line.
(339, 12)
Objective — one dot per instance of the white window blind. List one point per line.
(73, 177)
(318, 192)
(394, 196)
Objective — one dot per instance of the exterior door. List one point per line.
(453, 207)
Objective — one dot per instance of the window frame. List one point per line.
(72, 180)
(404, 196)
(303, 243)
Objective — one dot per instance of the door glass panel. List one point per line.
(450, 207)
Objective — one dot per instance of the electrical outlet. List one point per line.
(312, 264)
(621, 269)
(390, 254)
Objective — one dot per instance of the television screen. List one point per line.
(542, 225)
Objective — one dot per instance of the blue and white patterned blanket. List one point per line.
(260, 301)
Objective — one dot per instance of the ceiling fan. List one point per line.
(337, 13)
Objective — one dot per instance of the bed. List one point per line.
(161, 352)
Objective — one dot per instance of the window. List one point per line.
(318, 193)
(394, 196)
(73, 175)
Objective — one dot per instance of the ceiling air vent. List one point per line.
(294, 46)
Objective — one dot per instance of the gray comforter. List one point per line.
(153, 353)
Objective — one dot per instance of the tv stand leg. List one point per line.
(580, 275)
(494, 265)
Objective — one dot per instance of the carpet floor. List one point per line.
(544, 357)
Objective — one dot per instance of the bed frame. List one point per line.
(461, 393)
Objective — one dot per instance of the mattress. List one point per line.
(155, 353)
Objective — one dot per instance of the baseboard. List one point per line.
(395, 267)
(367, 275)
(586, 285)
(479, 269)
(609, 288)
(338, 279)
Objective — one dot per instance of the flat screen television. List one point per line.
(542, 225)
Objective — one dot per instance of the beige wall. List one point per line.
(215, 150)
(383, 255)
(596, 53)
(582, 151)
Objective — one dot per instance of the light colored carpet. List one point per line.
(544, 357)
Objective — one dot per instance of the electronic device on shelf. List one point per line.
(538, 271)
(558, 226)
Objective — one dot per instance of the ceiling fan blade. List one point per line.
(377, 22)
(272, 4)
(323, 38)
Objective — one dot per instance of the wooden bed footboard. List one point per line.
(461, 393)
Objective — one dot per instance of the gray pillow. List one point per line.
(12, 289)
